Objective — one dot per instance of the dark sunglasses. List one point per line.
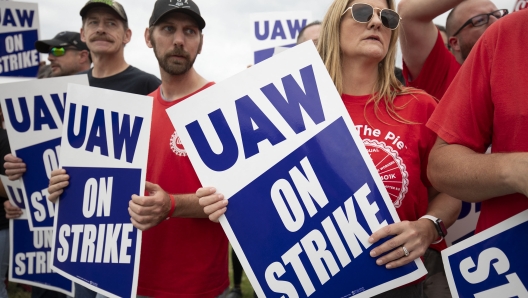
(362, 13)
(57, 52)
(483, 19)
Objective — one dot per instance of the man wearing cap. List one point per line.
(105, 31)
(185, 255)
(68, 54)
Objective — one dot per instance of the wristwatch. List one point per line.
(439, 225)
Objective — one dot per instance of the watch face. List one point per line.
(441, 228)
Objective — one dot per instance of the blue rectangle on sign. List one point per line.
(95, 241)
(495, 267)
(43, 158)
(318, 254)
(32, 258)
(18, 56)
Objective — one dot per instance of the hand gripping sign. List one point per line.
(492, 263)
(30, 251)
(304, 195)
(272, 32)
(33, 112)
(19, 30)
(104, 145)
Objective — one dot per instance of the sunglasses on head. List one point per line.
(362, 13)
(57, 52)
(483, 19)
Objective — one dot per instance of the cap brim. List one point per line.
(43, 46)
(199, 20)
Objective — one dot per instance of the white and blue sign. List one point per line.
(19, 30)
(104, 150)
(492, 263)
(33, 112)
(30, 258)
(14, 192)
(272, 32)
(304, 195)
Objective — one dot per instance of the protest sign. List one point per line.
(14, 191)
(492, 263)
(464, 226)
(303, 193)
(30, 258)
(520, 5)
(272, 31)
(33, 112)
(19, 30)
(104, 150)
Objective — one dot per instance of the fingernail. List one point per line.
(373, 253)
(389, 266)
(371, 240)
(379, 262)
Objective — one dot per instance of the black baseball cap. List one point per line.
(162, 7)
(63, 39)
(116, 6)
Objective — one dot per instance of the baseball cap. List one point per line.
(63, 39)
(162, 7)
(116, 6)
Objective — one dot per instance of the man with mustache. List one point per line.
(427, 64)
(66, 52)
(106, 33)
(183, 254)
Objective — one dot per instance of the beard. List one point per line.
(465, 48)
(175, 67)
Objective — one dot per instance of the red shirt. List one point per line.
(438, 71)
(400, 151)
(180, 257)
(487, 104)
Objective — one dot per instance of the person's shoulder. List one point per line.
(417, 97)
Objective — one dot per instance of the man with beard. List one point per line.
(67, 53)
(183, 254)
(427, 64)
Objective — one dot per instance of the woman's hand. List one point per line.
(14, 167)
(12, 212)
(215, 205)
(415, 236)
(58, 181)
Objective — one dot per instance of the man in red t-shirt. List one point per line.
(184, 256)
(427, 64)
(486, 104)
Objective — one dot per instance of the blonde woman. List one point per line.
(358, 46)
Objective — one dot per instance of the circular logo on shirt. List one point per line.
(391, 169)
(176, 145)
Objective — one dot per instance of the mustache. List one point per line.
(178, 52)
(100, 38)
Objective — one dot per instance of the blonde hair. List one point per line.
(387, 86)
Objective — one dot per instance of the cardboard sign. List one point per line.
(30, 258)
(520, 5)
(491, 263)
(19, 30)
(104, 151)
(33, 112)
(14, 191)
(304, 195)
(464, 226)
(271, 31)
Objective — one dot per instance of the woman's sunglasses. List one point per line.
(57, 52)
(362, 13)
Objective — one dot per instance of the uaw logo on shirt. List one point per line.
(176, 145)
(391, 169)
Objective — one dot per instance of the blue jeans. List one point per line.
(4, 260)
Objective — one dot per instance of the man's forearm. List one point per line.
(475, 177)
(424, 10)
(187, 206)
